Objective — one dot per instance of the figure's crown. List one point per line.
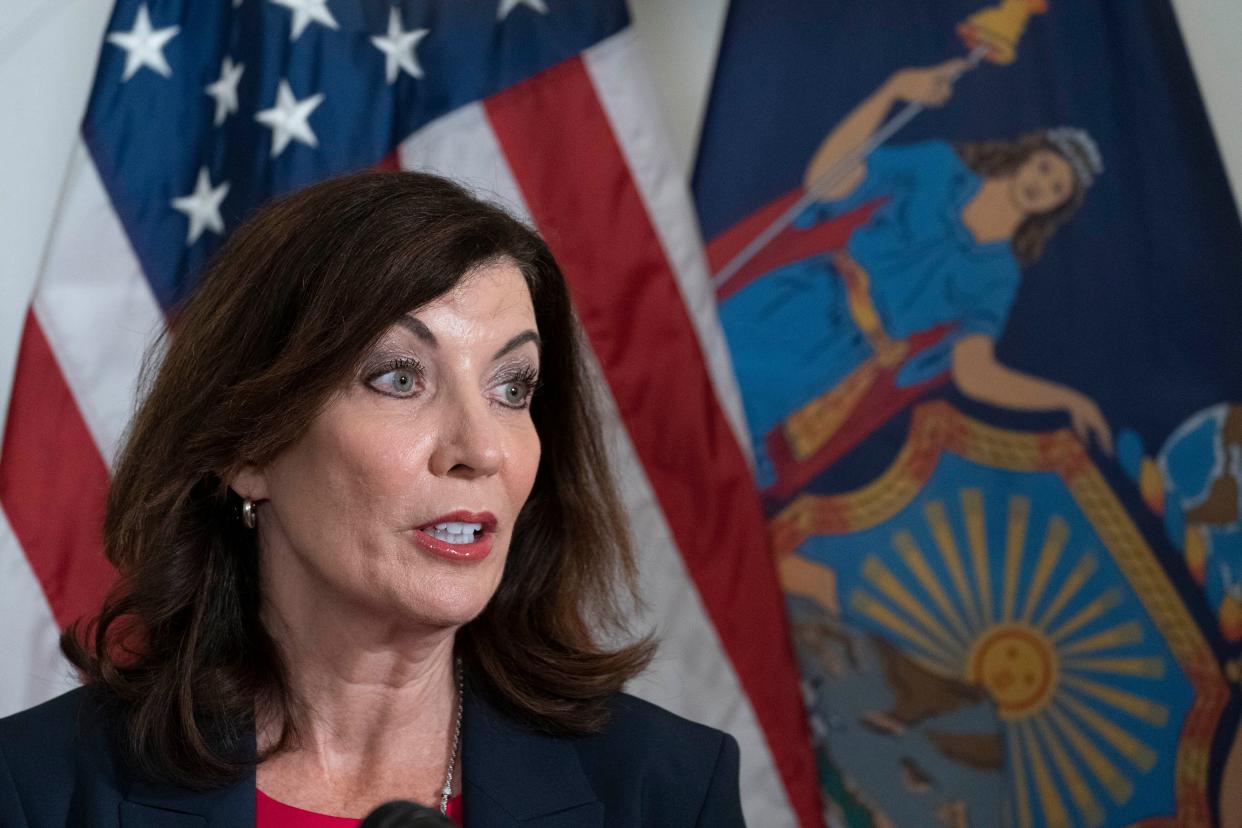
(1080, 150)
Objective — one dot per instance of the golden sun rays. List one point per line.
(1047, 642)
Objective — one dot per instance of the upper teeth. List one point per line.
(454, 532)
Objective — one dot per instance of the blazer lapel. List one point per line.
(513, 776)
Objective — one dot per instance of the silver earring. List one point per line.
(248, 514)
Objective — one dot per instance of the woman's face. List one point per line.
(1043, 182)
(401, 497)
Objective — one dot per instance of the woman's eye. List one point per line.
(515, 394)
(399, 382)
(516, 391)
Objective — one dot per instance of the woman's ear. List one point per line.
(248, 481)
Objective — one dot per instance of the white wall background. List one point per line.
(1212, 30)
(681, 38)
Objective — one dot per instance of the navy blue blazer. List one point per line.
(58, 768)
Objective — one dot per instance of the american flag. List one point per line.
(201, 111)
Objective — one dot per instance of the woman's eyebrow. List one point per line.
(520, 339)
(417, 328)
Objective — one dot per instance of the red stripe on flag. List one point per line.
(53, 483)
(575, 180)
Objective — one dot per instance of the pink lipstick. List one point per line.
(458, 536)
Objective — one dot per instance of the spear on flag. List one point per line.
(990, 34)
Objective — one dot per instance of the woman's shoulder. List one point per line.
(634, 719)
(44, 751)
(61, 726)
(60, 765)
(663, 758)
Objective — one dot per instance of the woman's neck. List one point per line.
(991, 215)
(378, 707)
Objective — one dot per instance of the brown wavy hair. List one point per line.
(279, 322)
(996, 158)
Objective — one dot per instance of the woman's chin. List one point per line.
(439, 597)
(441, 609)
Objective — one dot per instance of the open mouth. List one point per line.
(460, 535)
(455, 532)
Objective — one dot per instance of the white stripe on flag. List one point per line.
(29, 647)
(95, 305)
(462, 146)
(691, 675)
(628, 95)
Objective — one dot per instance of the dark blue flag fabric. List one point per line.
(980, 273)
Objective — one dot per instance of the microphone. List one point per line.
(402, 814)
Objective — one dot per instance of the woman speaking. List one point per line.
(369, 548)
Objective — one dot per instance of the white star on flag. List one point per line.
(224, 90)
(202, 207)
(398, 47)
(507, 6)
(307, 11)
(144, 46)
(287, 119)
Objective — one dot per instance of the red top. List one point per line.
(270, 813)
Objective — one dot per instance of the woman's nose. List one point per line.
(469, 443)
